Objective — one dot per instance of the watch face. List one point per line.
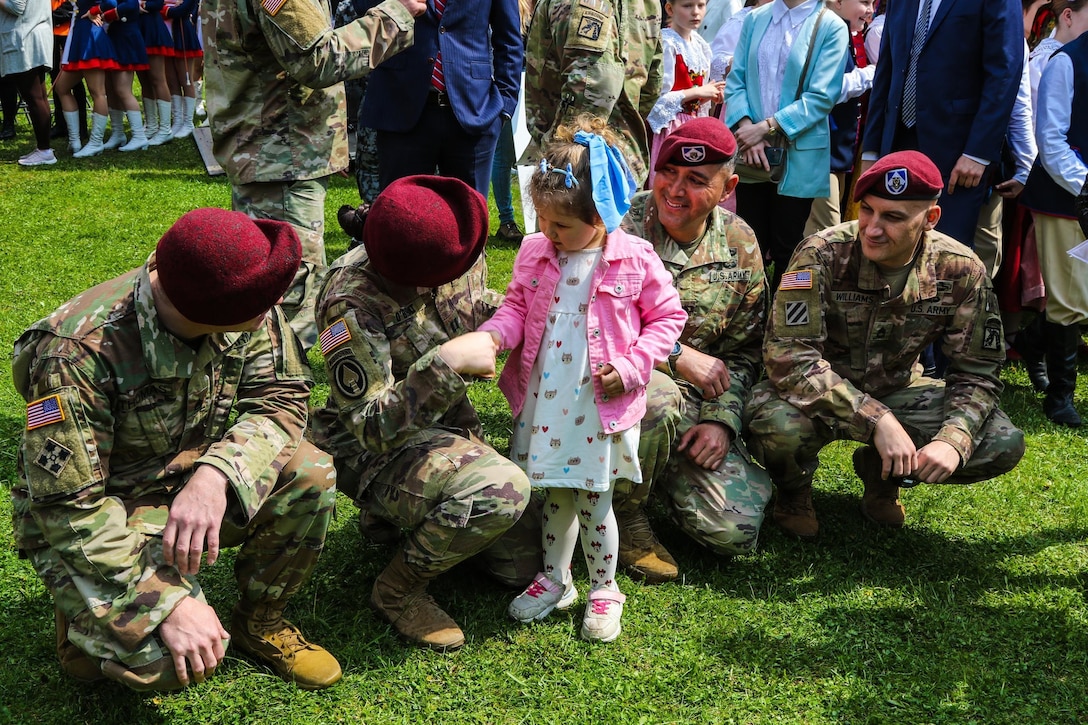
(676, 349)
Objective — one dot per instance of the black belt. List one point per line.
(438, 98)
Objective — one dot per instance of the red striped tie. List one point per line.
(438, 80)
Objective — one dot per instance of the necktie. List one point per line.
(438, 80)
(910, 87)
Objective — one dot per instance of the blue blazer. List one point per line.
(803, 120)
(482, 59)
(968, 73)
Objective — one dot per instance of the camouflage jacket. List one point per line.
(120, 412)
(388, 385)
(837, 341)
(601, 57)
(273, 73)
(722, 287)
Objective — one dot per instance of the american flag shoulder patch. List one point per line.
(796, 280)
(272, 6)
(334, 335)
(45, 411)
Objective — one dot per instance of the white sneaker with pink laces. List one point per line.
(601, 622)
(540, 598)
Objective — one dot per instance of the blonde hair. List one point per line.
(549, 186)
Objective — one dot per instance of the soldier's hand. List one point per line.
(896, 449)
(471, 354)
(706, 444)
(705, 372)
(937, 460)
(966, 173)
(196, 515)
(610, 380)
(194, 635)
(415, 7)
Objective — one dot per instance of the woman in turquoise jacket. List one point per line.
(775, 43)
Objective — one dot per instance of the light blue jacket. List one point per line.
(803, 120)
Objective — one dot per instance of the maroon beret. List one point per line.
(425, 231)
(699, 141)
(906, 175)
(222, 268)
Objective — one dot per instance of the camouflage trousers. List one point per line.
(788, 442)
(456, 497)
(279, 549)
(721, 509)
(301, 204)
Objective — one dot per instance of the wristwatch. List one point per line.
(673, 357)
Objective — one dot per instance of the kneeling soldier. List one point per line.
(165, 413)
(856, 306)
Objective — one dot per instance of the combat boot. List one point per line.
(400, 597)
(795, 514)
(260, 631)
(641, 554)
(880, 502)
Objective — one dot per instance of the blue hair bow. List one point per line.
(612, 181)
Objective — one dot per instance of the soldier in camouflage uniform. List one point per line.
(276, 106)
(598, 57)
(165, 415)
(691, 449)
(408, 445)
(857, 305)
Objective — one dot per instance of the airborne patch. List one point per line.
(53, 457)
(797, 313)
(992, 339)
(590, 25)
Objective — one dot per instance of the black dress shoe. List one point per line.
(58, 132)
(7, 133)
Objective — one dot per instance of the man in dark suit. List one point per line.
(948, 95)
(442, 103)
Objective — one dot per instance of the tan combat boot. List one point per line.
(641, 554)
(795, 514)
(400, 597)
(880, 502)
(260, 631)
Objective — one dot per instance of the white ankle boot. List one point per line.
(177, 107)
(189, 108)
(138, 142)
(163, 134)
(71, 119)
(94, 143)
(117, 137)
(151, 117)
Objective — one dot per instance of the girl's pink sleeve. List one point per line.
(509, 319)
(663, 320)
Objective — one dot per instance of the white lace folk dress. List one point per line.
(558, 438)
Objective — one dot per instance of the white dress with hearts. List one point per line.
(558, 438)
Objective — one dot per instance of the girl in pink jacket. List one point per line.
(589, 312)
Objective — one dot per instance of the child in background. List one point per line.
(687, 89)
(589, 312)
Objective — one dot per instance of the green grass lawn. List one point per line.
(974, 613)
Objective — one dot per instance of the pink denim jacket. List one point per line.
(633, 321)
